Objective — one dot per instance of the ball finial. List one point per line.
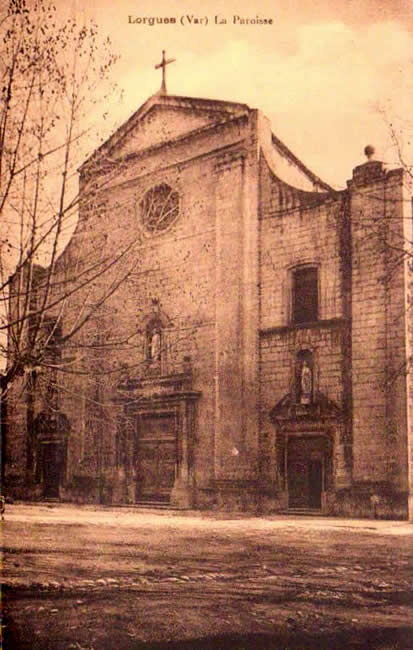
(369, 151)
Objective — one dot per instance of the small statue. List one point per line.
(306, 384)
(155, 345)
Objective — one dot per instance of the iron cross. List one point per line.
(163, 65)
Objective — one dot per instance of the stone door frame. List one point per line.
(169, 394)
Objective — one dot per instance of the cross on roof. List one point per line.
(163, 65)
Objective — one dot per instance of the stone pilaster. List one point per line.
(236, 429)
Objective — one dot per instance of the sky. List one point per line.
(330, 75)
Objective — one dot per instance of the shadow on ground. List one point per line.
(364, 638)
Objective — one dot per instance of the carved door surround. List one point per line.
(308, 438)
(161, 411)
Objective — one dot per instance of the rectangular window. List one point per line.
(305, 295)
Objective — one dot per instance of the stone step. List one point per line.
(158, 505)
(315, 512)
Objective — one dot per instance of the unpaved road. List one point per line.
(106, 578)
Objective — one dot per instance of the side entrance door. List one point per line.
(156, 457)
(305, 471)
(52, 464)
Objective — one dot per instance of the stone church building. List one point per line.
(252, 349)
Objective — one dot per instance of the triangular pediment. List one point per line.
(166, 117)
(164, 123)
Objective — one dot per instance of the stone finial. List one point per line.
(369, 172)
(369, 151)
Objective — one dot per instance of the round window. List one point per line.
(159, 208)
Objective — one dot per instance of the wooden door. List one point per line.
(305, 466)
(297, 483)
(156, 458)
(52, 469)
(315, 482)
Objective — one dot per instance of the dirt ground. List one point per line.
(104, 578)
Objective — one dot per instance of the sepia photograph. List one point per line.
(206, 326)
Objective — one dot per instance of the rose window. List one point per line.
(159, 208)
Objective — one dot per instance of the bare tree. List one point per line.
(59, 279)
(53, 74)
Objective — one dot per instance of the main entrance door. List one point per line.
(156, 457)
(305, 471)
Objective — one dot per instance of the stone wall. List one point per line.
(358, 343)
(378, 332)
(298, 228)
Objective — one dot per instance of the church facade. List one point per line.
(251, 350)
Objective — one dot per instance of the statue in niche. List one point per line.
(306, 384)
(155, 345)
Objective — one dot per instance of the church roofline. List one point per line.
(211, 102)
(287, 152)
(159, 99)
(225, 110)
(147, 151)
